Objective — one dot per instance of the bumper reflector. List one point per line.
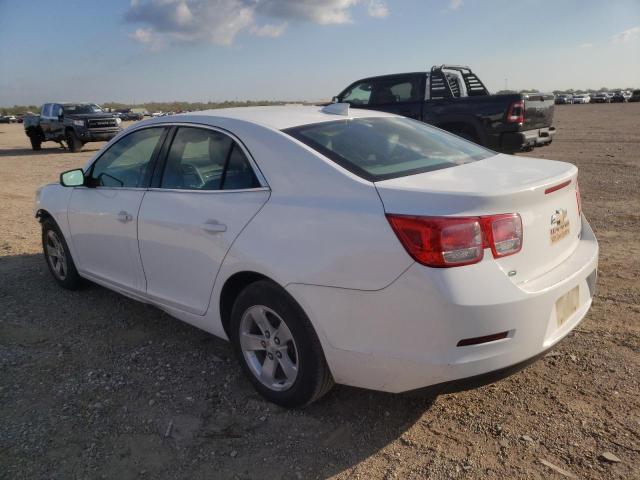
(477, 340)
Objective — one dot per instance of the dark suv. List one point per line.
(72, 123)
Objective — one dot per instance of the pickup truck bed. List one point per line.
(454, 99)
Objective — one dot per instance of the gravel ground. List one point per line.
(94, 385)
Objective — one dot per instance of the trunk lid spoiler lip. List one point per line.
(477, 179)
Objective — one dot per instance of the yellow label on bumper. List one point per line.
(567, 305)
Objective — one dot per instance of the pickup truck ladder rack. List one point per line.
(442, 86)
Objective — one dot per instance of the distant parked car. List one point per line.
(157, 114)
(581, 99)
(563, 99)
(127, 115)
(635, 96)
(618, 97)
(4, 119)
(600, 97)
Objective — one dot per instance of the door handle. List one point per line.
(124, 217)
(213, 226)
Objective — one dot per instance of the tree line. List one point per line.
(155, 106)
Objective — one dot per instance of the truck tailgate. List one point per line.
(538, 110)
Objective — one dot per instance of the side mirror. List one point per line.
(72, 178)
(335, 100)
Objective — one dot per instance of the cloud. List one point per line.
(626, 35)
(148, 38)
(269, 30)
(166, 22)
(377, 9)
(455, 4)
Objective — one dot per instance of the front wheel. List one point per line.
(277, 347)
(58, 257)
(73, 142)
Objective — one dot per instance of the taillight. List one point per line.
(515, 114)
(505, 234)
(457, 241)
(578, 198)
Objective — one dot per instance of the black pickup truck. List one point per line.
(72, 123)
(453, 98)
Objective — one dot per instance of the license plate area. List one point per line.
(567, 305)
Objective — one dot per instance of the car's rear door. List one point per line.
(203, 195)
(103, 216)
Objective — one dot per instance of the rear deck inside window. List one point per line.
(380, 148)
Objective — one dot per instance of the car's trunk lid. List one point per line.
(535, 189)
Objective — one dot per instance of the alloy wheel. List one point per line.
(56, 255)
(269, 348)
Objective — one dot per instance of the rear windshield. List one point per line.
(387, 147)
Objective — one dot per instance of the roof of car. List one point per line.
(282, 117)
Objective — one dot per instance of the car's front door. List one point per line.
(103, 215)
(56, 125)
(45, 118)
(207, 192)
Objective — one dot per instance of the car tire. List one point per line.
(58, 257)
(73, 142)
(290, 371)
(36, 144)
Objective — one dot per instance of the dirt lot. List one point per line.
(93, 385)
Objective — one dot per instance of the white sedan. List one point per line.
(331, 245)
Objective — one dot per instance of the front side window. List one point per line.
(46, 110)
(201, 159)
(387, 147)
(126, 162)
(359, 94)
(56, 110)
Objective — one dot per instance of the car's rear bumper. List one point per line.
(515, 141)
(405, 336)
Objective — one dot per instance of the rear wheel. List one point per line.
(36, 143)
(58, 257)
(74, 144)
(277, 347)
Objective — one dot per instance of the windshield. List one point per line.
(387, 147)
(82, 108)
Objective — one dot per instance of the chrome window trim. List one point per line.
(254, 166)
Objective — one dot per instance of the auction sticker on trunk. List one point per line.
(566, 305)
(559, 225)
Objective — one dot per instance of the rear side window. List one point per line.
(201, 159)
(394, 90)
(387, 147)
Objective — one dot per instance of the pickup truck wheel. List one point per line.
(73, 142)
(277, 347)
(36, 144)
(56, 253)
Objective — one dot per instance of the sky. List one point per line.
(135, 51)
